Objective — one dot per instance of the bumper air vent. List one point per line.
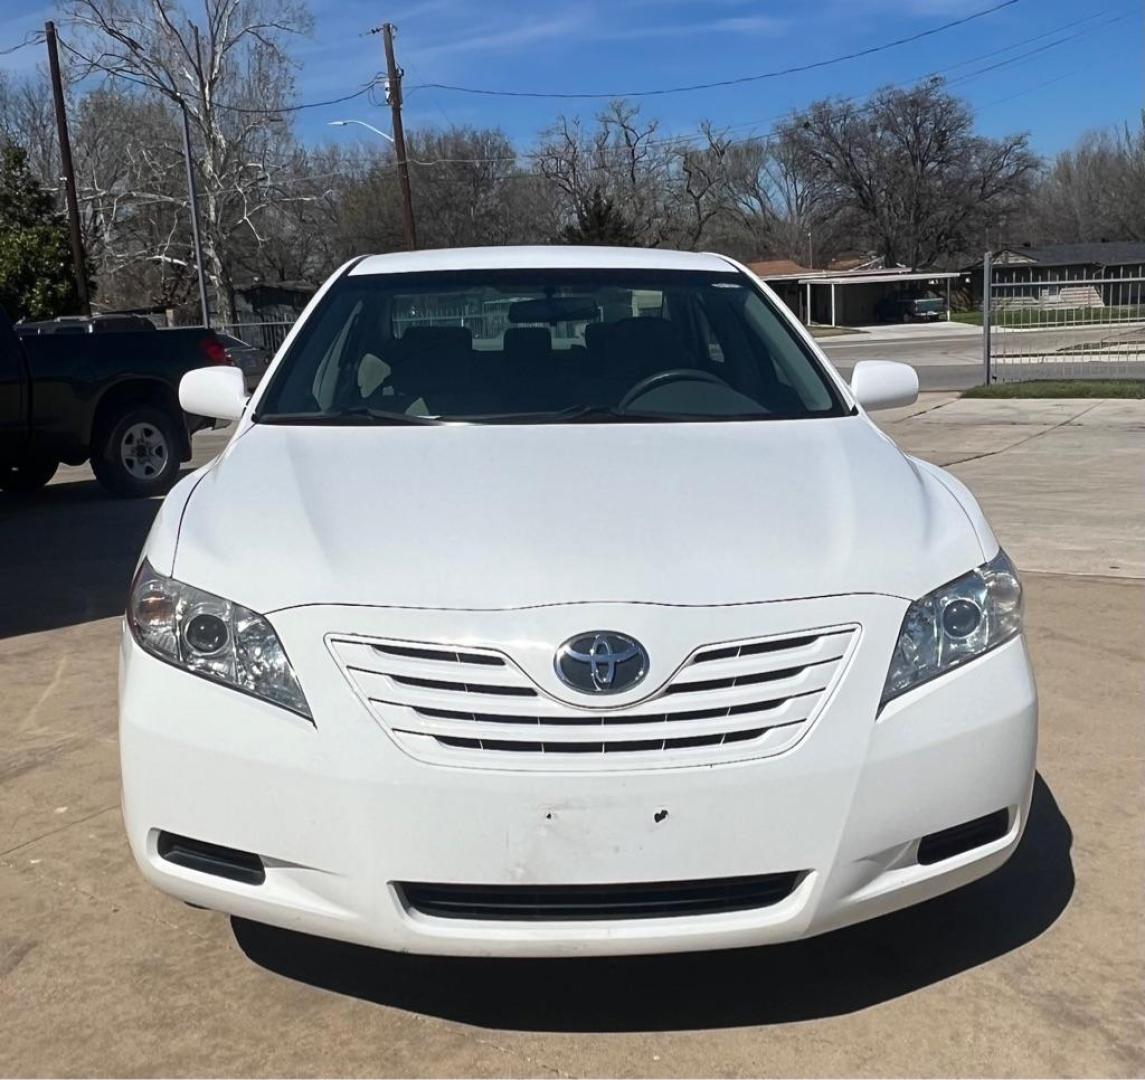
(965, 837)
(213, 859)
(552, 903)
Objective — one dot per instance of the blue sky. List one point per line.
(1053, 90)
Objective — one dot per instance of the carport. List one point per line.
(851, 298)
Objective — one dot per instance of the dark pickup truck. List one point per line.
(111, 397)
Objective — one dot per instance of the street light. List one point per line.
(362, 123)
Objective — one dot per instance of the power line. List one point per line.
(779, 122)
(263, 111)
(304, 105)
(1031, 89)
(796, 69)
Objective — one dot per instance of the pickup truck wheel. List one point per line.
(138, 456)
(27, 475)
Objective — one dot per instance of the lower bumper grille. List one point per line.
(648, 900)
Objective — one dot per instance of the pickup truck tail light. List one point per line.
(214, 351)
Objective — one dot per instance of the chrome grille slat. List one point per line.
(379, 688)
(817, 651)
(606, 718)
(793, 711)
(472, 705)
(562, 754)
(452, 656)
(368, 660)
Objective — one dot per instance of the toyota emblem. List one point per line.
(601, 662)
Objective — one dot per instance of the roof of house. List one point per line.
(283, 286)
(766, 268)
(860, 262)
(539, 257)
(1106, 253)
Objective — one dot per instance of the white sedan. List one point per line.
(564, 601)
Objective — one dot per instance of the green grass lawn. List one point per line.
(1052, 318)
(1062, 388)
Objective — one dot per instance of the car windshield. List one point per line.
(545, 346)
(925, 304)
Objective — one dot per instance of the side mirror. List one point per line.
(884, 384)
(217, 392)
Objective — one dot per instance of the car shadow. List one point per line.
(66, 555)
(830, 975)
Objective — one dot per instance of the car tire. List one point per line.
(138, 453)
(25, 476)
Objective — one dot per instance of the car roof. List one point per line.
(540, 257)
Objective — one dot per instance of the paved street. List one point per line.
(1036, 970)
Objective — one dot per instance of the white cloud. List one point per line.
(507, 38)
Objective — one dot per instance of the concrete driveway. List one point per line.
(1036, 970)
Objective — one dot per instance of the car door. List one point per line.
(13, 390)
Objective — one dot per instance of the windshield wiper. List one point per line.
(359, 415)
(578, 414)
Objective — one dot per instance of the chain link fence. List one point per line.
(1063, 323)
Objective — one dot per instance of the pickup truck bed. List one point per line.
(108, 397)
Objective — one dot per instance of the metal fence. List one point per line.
(487, 320)
(1059, 323)
(262, 335)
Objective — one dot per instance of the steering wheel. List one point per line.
(651, 382)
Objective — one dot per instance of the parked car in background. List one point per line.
(566, 601)
(910, 309)
(70, 392)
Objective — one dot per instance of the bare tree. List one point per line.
(229, 69)
(1094, 191)
(921, 184)
(780, 202)
(621, 158)
(129, 169)
(27, 118)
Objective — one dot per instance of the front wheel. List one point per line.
(25, 476)
(138, 455)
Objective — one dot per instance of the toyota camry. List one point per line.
(554, 601)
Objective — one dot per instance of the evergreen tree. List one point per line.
(598, 221)
(36, 279)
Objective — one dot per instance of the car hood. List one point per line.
(483, 516)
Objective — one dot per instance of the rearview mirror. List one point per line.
(884, 384)
(217, 392)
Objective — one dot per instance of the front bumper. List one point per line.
(340, 814)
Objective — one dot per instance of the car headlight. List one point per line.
(956, 623)
(212, 637)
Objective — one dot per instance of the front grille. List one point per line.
(648, 900)
(471, 705)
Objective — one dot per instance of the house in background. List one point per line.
(849, 293)
(272, 301)
(1102, 274)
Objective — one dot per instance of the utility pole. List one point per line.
(78, 264)
(394, 96)
(193, 206)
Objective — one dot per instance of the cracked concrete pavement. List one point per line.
(1036, 970)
